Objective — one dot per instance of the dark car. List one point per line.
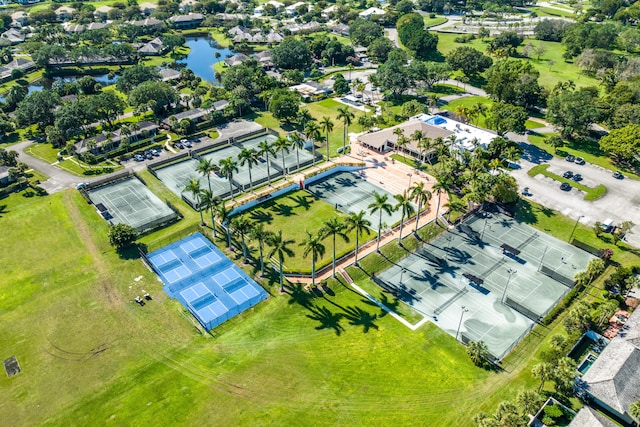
(149, 156)
(618, 175)
(579, 161)
(179, 145)
(577, 177)
(138, 158)
(565, 186)
(570, 158)
(567, 174)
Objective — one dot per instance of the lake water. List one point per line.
(202, 57)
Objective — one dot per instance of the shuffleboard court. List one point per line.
(130, 202)
(490, 279)
(205, 281)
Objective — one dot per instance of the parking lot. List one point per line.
(620, 203)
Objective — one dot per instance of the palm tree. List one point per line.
(205, 167)
(282, 145)
(327, 126)
(249, 157)
(455, 205)
(402, 142)
(634, 410)
(544, 372)
(227, 167)
(334, 227)
(380, 204)
(264, 149)
(194, 188)
(303, 117)
(242, 225)
(346, 116)
(297, 141)
(439, 187)
(209, 201)
(421, 196)
(478, 352)
(313, 244)
(406, 207)
(258, 233)
(312, 130)
(223, 217)
(357, 221)
(279, 246)
(399, 133)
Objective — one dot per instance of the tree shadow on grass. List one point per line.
(384, 300)
(299, 295)
(359, 317)
(302, 201)
(3, 210)
(283, 210)
(132, 251)
(525, 212)
(327, 319)
(261, 216)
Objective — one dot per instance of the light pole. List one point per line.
(511, 272)
(574, 227)
(409, 175)
(464, 310)
(401, 274)
(485, 226)
(449, 239)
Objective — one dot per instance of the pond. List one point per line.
(47, 82)
(202, 56)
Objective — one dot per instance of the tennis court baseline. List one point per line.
(205, 281)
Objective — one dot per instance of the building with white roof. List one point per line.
(292, 10)
(468, 137)
(366, 14)
(260, 9)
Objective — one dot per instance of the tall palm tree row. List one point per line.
(334, 227)
(194, 188)
(279, 246)
(223, 218)
(380, 204)
(228, 167)
(406, 207)
(312, 244)
(346, 116)
(205, 168)
(242, 226)
(297, 141)
(358, 223)
(209, 201)
(258, 233)
(439, 187)
(249, 157)
(327, 126)
(421, 196)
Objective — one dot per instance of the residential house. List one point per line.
(5, 179)
(385, 139)
(108, 141)
(612, 382)
(305, 28)
(169, 74)
(367, 14)
(151, 48)
(236, 59)
(78, 28)
(19, 19)
(64, 13)
(341, 30)
(13, 35)
(292, 10)
(148, 22)
(311, 91)
(260, 9)
(589, 417)
(147, 8)
(102, 12)
(220, 105)
(465, 137)
(326, 13)
(191, 20)
(187, 5)
(196, 115)
(264, 59)
(19, 64)
(230, 17)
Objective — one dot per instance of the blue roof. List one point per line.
(204, 280)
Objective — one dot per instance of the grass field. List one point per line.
(470, 102)
(49, 154)
(75, 330)
(295, 214)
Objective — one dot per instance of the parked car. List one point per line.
(525, 191)
(567, 174)
(179, 145)
(187, 144)
(618, 175)
(570, 158)
(81, 185)
(184, 140)
(149, 156)
(565, 186)
(138, 158)
(579, 161)
(577, 177)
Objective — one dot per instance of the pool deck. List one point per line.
(393, 176)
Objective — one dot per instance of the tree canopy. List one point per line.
(122, 235)
(623, 144)
(284, 104)
(135, 75)
(514, 81)
(468, 60)
(156, 96)
(37, 108)
(291, 53)
(415, 37)
(572, 110)
(364, 31)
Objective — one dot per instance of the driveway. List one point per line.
(620, 203)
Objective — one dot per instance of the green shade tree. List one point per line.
(291, 53)
(505, 118)
(363, 32)
(514, 81)
(284, 105)
(468, 60)
(122, 235)
(622, 144)
(156, 96)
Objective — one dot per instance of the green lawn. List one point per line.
(531, 124)
(470, 102)
(74, 329)
(432, 22)
(49, 154)
(295, 214)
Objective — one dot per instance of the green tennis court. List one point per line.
(490, 279)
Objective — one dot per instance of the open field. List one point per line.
(74, 329)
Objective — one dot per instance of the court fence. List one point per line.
(522, 309)
(557, 276)
(587, 248)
